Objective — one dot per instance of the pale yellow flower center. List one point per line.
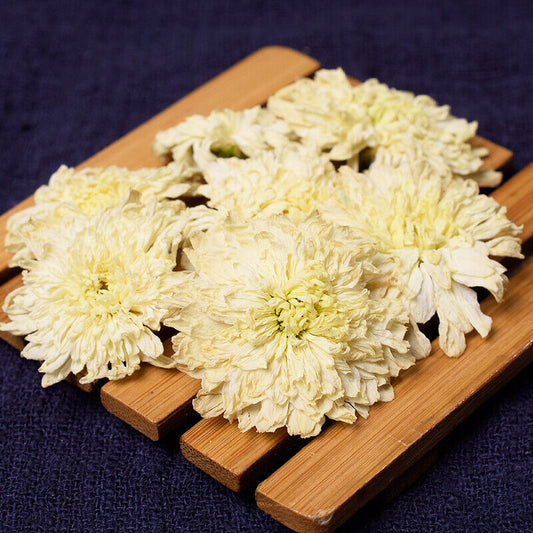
(292, 314)
(303, 306)
(97, 286)
(103, 289)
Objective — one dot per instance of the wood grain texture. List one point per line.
(238, 460)
(153, 400)
(235, 459)
(347, 465)
(249, 82)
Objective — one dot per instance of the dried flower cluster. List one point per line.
(282, 326)
(336, 221)
(98, 251)
(94, 297)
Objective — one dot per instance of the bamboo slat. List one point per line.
(237, 460)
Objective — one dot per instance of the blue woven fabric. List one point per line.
(75, 76)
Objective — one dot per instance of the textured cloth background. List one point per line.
(74, 77)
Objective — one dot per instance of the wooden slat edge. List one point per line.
(220, 449)
(234, 458)
(153, 400)
(247, 83)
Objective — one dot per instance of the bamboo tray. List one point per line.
(320, 486)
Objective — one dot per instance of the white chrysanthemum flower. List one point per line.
(96, 295)
(71, 196)
(325, 114)
(281, 325)
(290, 180)
(441, 232)
(92, 189)
(199, 139)
(404, 123)
(372, 121)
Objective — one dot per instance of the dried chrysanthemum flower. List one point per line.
(290, 180)
(95, 296)
(404, 123)
(441, 232)
(200, 139)
(373, 122)
(71, 196)
(325, 114)
(91, 189)
(281, 324)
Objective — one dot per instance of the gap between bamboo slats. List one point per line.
(238, 460)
